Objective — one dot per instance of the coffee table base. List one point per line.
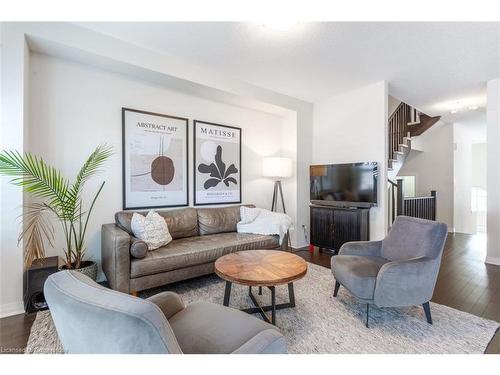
(262, 309)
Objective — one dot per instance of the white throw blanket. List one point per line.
(261, 221)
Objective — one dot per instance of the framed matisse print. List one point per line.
(155, 160)
(217, 163)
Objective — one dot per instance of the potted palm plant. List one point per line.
(56, 197)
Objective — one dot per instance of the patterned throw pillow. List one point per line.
(151, 229)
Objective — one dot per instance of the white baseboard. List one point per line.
(493, 260)
(13, 308)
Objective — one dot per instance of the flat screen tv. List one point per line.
(353, 185)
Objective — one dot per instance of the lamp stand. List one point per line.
(278, 190)
(274, 207)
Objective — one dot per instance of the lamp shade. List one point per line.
(277, 167)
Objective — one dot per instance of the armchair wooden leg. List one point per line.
(133, 294)
(367, 311)
(336, 290)
(427, 310)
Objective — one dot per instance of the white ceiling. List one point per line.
(426, 64)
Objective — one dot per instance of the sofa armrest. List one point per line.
(362, 248)
(406, 282)
(115, 249)
(169, 302)
(270, 341)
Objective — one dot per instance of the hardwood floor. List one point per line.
(14, 333)
(464, 283)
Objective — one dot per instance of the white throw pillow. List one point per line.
(248, 214)
(152, 229)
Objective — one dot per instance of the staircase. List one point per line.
(406, 122)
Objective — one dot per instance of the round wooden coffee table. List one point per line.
(261, 268)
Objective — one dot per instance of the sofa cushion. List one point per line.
(181, 223)
(202, 328)
(412, 237)
(218, 220)
(192, 251)
(357, 273)
(151, 229)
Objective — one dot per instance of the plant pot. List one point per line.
(88, 268)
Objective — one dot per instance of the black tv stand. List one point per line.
(332, 226)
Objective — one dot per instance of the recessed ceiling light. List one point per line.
(470, 103)
(280, 25)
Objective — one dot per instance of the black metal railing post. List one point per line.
(434, 204)
(399, 201)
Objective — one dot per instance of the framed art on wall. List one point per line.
(155, 160)
(217, 163)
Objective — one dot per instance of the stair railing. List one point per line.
(398, 126)
(420, 207)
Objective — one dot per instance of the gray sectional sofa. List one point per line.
(200, 237)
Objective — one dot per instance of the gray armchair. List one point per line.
(92, 319)
(400, 270)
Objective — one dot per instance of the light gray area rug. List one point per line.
(321, 323)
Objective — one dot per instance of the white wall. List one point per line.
(75, 107)
(14, 60)
(392, 104)
(466, 134)
(479, 160)
(433, 168)
(288, 139)
(479, 157)
(493, 172)
(304, 155)
(352, 128)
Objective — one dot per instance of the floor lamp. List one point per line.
(278, 168)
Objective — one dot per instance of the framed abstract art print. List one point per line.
(217, 163)
(155, 160)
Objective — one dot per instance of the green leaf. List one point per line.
(35, 177)
(90, 168)
(45, 182)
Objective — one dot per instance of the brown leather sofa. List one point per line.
(200, 237)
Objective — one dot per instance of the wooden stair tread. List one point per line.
(425, 123)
